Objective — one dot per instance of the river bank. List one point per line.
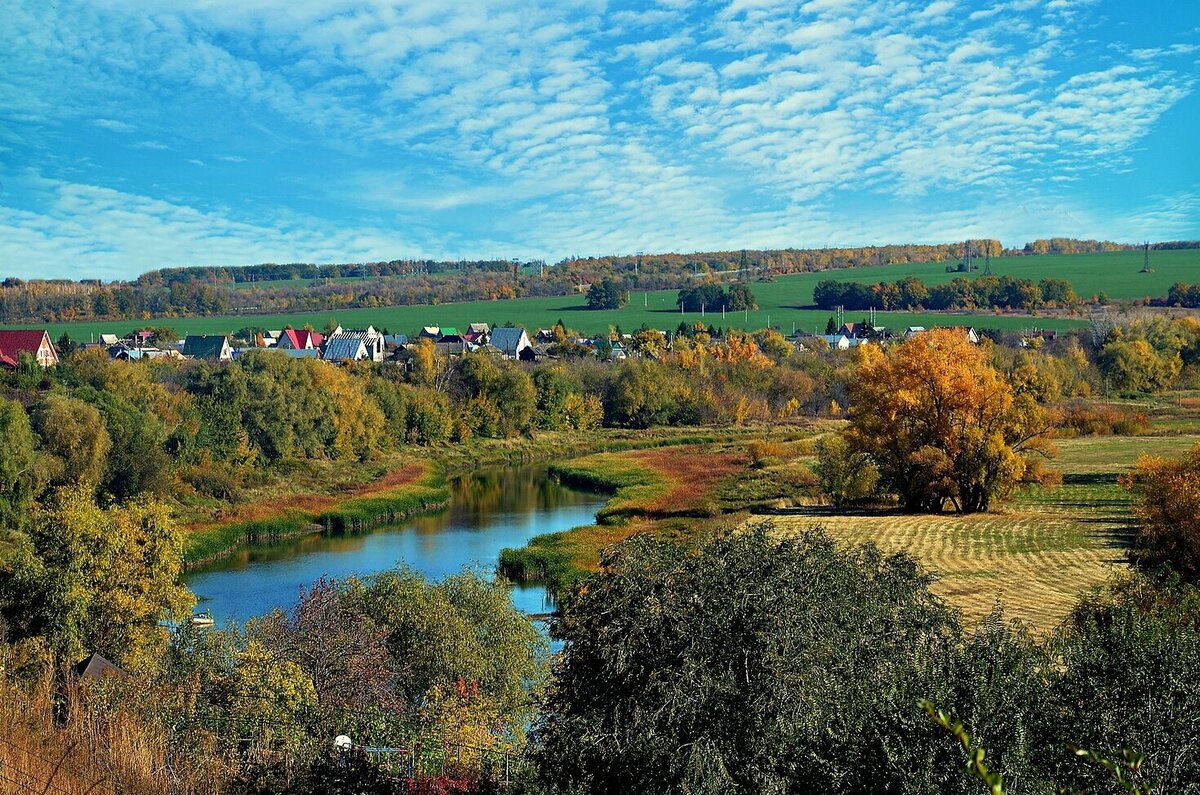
(680, 492)
(486, 511)
(326, 496)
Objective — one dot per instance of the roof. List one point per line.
(477, 328)
(301, 338)
(300, 353)
(366, 335)
(205, 346)
(345, 348)
(508, 339)
(21, 341)
(94, 667)
(449, 331)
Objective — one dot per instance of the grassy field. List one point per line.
(1091, 274)
(1036, 553)
(782, 303)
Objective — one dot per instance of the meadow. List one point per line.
(784, 303)
(1036, 553)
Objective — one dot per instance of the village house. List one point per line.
(348, 347)
(36, 344)
(214, 347)
(342, 341)
(300, 339)
(477, 333)
(511, 341)
(1044, 335)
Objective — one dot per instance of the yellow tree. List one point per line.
(940, 423)
(1168, 503)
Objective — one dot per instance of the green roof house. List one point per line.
(208, 346)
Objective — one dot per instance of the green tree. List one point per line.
(748, 665)
(1133, 365)
(607, 293)
(92, 579)
(740, 297)
(18, 479)
(138, 462)
(846, 475)
(72, 433)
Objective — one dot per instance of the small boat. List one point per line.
(203, 620)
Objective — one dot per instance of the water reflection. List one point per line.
(489, 510)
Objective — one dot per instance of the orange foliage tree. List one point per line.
(1168, 504)
(941, 424)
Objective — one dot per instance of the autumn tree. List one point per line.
(940, 423)
(1168, 504)
(73, 436)
(87, 578)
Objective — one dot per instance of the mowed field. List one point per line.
(1037, 553)
(785, 303)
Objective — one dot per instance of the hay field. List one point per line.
(1037, 553)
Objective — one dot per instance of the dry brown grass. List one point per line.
(690, 475)
(57, 739)
(1034, 562)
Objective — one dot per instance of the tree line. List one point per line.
(981, 292)
(188, 292)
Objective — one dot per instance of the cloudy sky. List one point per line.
(244, 131)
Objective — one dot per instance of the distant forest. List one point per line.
(273, 288)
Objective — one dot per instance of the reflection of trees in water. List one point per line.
(510, 489)
(483, 493)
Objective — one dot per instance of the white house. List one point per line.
(510, 341)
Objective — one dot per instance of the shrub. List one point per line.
(1081, 419)
(764, 453)
(1168, 504)
(846, 476)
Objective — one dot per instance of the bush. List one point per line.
(1168, 504)
(764, 453)
(846, 476)
(1080, 419)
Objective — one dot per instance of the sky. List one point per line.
(137, 135)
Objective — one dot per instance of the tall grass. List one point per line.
(56, 737)
(383, 505)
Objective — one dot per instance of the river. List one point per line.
(489, 510)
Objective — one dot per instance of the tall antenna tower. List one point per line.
(1146, 258)
(637, 263)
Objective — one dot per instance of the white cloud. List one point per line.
(547, 126)
(114, 125)
(115, 232)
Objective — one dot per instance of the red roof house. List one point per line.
(35, 343)
(300, 339)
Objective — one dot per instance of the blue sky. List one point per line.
(214, 132)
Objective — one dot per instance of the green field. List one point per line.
(781, 302)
